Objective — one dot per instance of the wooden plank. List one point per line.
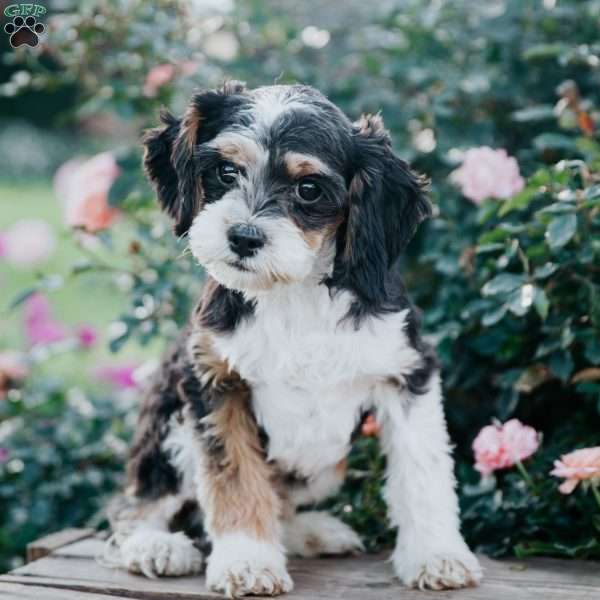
(87, 548)
(16, 591)
(49, 543)
(353, 578)
(539, 569)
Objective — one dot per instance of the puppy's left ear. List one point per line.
(387, 201)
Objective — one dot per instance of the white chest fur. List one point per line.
(312, 373)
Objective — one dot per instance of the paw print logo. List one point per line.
(24, 31)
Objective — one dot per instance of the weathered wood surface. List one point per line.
(71, 572)
(53, 541)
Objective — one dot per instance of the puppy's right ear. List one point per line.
(169, 156)
(158, 164)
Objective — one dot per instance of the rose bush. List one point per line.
(504, 96)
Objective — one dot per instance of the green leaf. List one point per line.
(493, 316)
(561, 364)
(553, 141)
(545, 270)
(544, 51)
(519, 201)
(592, 192)
(541, 303)
(121, 188)
(485, 248)
(561, 230)
(493, 236)
(487, 210)
(541, 112)
(592, 350)
(537, 251)
(546, 347)
(557, 208)
(502, 284)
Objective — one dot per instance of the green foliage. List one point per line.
(64, 454)
(510, 289)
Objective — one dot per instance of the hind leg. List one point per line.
(142, 542)
(317, 533)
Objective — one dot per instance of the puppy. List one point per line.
(298, 216)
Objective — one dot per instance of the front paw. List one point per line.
(159, 553)
(437, 569)
(241, 566)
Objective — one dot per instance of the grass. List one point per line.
(89, 298)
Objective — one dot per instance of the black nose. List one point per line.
(245, 239)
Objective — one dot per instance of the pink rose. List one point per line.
(577, 466)
(488, 173)
(86, 335)
(40, 326)
(27, 242)
(156, 78)
(120, 376)
(83, 187)
(501, 446)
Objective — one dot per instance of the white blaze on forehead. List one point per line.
(240, 149)
(301, 165)
(269, 103)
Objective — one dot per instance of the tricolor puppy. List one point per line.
(298, 216)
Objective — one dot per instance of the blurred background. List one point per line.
(497, 102)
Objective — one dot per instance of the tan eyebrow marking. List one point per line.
(301, 165)
(239, 149)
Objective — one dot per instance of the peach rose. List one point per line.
(157, 77)
(83, 186)
(13, 368)
(370, 427)
(501, 446)
(577, 466)
(488, 173)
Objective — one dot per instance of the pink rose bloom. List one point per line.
(577, 466)
(188, 67)
(83, 187)
(27, 243)
(156, 78)
(501, 446)
(120, 376)
(40, 326)
(86, 335)
(488, 173)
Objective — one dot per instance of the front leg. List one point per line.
(240, 503)
(430, 552)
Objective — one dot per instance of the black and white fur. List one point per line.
(314, 329)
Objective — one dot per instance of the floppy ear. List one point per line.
(169, 152)
(386, 204)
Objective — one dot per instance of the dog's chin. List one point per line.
(243, 278)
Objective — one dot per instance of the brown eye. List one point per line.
(309, 191)
(228, 173)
